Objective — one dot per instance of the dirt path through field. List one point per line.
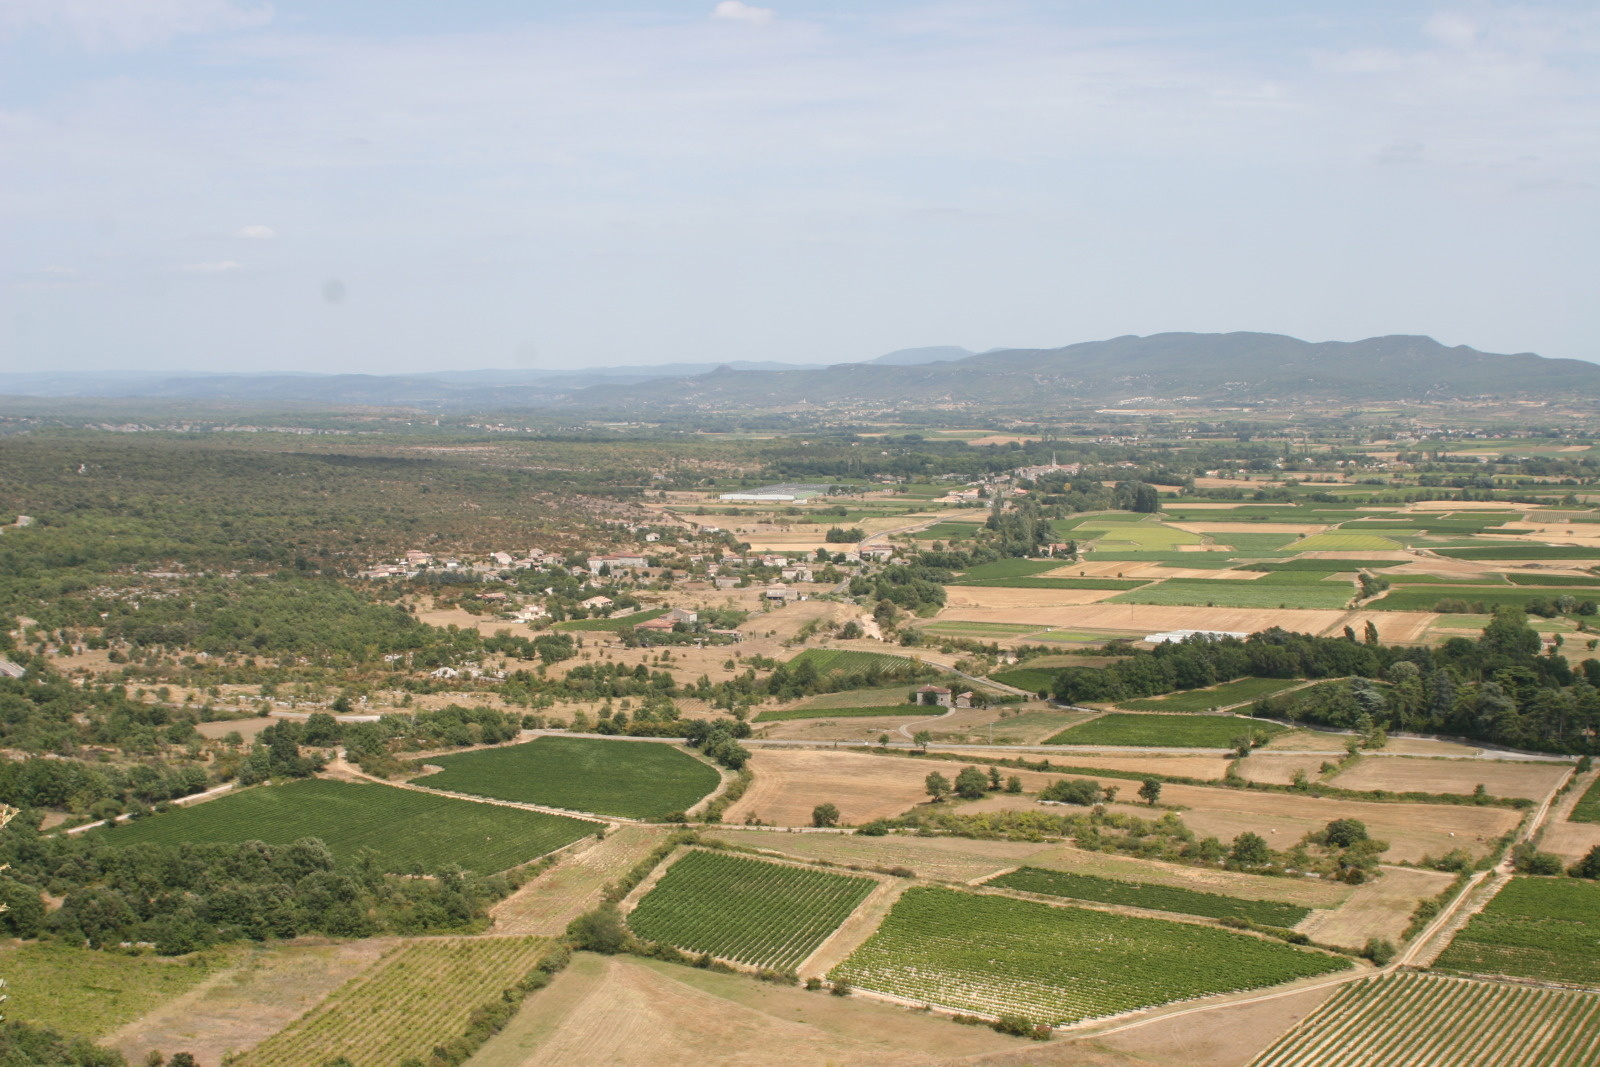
(552, 900)
(854, 930)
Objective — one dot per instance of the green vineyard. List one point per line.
(634, 779)
(406, 828)
(1445, 1022)
(996, 955)
(1157, 897)
(746, 910)
(419, 996)
(1148, 729)
(1540, 928)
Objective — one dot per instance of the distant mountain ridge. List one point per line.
(1212, 368)
(1227, 368)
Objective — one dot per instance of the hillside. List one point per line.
(1233, 367)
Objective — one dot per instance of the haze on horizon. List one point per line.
(236, 185)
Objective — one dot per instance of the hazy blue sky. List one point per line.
(403, 185)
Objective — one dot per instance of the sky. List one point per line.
(394, 186)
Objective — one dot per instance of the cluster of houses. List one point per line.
(415, 561)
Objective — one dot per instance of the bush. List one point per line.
(1379, 950)
(600, 930)
(841, 989)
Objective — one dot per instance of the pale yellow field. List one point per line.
(1249, 527)
(1501, 778)
(963, 598)
(1381, 908)
(1147, 618)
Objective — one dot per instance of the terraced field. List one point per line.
(1541, 928)
(419, 997)
(633, 779)
(1408, 1018)
(348, 816)
(996, 955)
(747, 910)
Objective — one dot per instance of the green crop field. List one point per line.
(1171, 731)
(847, 713)
(83, 991)
(611, 625)
(1408, 1018)
(746, 910)
(1530, 551)
(1541, 928)
(997, 955)
(1425, 597)
(634, 779)
(1208, 559)
(846, 661)
(948, 531)
(420, 996)
(1341, 541)
(1588, 807)
(1033, 679)
(1255, 544)
(1322, 566)
(1148, 535)
(1079, 635)
(1233, 593)
(1058, 583)
(1220, 696)
(1141, 895)
(1552, 579)
(406, 828)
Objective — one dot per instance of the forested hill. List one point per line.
(1231, 367)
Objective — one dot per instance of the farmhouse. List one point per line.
(617, 561)
(596, 603)
(934, 696)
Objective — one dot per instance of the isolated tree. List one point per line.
(1014, 784)
(825, 815)
(601, 930)
(1342, 833)
(883, 739)
(922, 739)
(936, 785)
(1150, 791)
(1250, 850)
(1371, 632)
(994, 777)
(970, 783)
(1379, 950)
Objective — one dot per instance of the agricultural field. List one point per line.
(1406, 1018)
(1525, 551)
(610, 625)
(1057, 583)
(725, 905)
(948, 531)
(1501, 778)
(1007, 568)
(1344, 541)
(790, 714)
(351, 816)
(1306, 591)
(1587, 809)
(956, 628)
(420, 996)
(1169, 731)
(1033, 679)
(90, 993)
(847, 661)
(1541, 928)
(631, 779)
(1125, 536)
(1480, 599)
(1155, 897)
(1056, 964)
(1225, 695)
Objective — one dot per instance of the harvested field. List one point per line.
(240, 1007)
(626, 1012)
(1249, 527)
(1502, 778)
(1279, 769)
(1223, 1036)
(1202, 767)
(545, 905)
(1001, 597)
(788, 784)
(1381, 908)
(1412, 830)
(1570, 840)
(1394, 627)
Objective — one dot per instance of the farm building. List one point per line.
(934, 696)
(775, 494)
(1175, 636)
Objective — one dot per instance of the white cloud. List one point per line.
(220, 267)
(738, 11)
(49, 274)
(256, 233)
(118, 25)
